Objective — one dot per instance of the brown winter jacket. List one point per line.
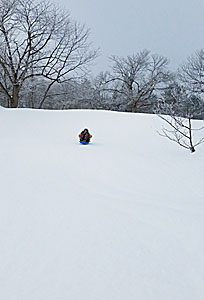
(85, 136)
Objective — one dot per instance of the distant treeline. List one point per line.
(45, 57)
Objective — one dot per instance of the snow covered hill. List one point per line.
(122, 218)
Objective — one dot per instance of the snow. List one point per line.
(121, 218)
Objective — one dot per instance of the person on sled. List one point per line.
(85, 136)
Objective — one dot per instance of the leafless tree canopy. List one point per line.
(39, 40)
(191, 73)
(138, 77)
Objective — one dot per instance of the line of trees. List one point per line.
(45, 57)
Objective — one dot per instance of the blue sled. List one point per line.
(84, 143)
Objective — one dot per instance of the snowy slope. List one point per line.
(122, 218)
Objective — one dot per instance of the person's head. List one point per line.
(86, 130)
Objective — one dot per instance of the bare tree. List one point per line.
(39, 40)
(138, 77)
(179, 110)
(191, 72)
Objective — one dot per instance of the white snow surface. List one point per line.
(122, 218)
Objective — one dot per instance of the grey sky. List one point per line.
(173, 28)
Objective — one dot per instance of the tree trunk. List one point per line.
(15, 96)
(192, 148)
(134, 105)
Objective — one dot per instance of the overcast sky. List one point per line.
(172, 28)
